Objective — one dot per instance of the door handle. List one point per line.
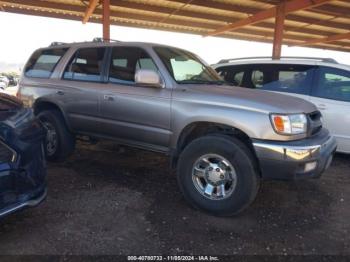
(109, 97)
(60, 92)
(322, 106)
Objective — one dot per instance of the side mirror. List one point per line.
(146, 77)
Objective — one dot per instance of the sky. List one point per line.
(20, 35)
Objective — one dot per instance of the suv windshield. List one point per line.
(186, 68)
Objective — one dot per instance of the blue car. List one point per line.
(22, 163)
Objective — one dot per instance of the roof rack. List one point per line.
(328, 60)
(96, 39)
(57, 43)
(101, 39)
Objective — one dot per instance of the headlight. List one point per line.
(289, 124)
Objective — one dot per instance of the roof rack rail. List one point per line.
(328, 60)
(57, 43)
(96, 39)
(101, 39)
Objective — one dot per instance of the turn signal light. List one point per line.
(289, 124)
(279, 123)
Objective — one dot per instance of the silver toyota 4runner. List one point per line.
(222, 140)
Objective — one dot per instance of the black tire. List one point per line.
(242, 160)
(65, 139)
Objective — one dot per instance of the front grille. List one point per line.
(6, 154)
(315, 123)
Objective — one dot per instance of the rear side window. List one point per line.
(43, 62)
(124, 63)
(86, 65)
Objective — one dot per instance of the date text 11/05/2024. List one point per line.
(173, 258)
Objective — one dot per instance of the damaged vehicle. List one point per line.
(223, 141)
(22, 161)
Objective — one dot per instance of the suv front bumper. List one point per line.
(306, 158)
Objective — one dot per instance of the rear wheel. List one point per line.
(218, 174)
(60, 143)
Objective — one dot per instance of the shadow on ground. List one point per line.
(111, 200)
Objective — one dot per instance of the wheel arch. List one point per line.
(201, 128)
(42, 105)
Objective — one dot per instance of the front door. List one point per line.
(332, 97)
(137, 114)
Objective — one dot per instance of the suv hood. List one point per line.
(249, 99)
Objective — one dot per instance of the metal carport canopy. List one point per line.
(315, 23)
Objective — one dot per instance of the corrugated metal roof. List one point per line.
(205, 16)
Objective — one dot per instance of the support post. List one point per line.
(106, 20)
(278, 34)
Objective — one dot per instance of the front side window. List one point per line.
(86, 65)
(284, 78)
(43, 62)
(258, 78)
(232, 74)
(238, 78)
(126, 61)
(224, 73)
(333, 84)
(186, 68)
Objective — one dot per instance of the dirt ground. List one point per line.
(109, 200)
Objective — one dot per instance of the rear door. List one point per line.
(332, 97)
(137, 114)
(80, 86)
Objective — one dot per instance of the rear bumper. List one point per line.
(307, 158)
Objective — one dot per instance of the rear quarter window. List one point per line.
(43, 62)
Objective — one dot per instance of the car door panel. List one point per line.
(336, 118)
(81, 103)
(141, 114)
(80, 87)
(334, 103)
(138, 114)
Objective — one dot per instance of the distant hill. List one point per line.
(10, 67)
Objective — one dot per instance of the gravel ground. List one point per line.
(108, 200)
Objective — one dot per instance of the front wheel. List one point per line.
(218, 174)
